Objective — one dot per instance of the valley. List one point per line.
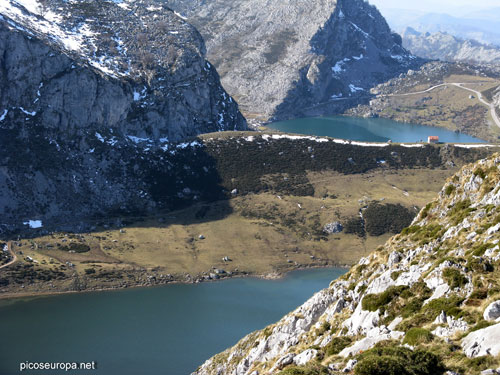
(263, 218)
(177, 174)
(262, 234)
(440, 95)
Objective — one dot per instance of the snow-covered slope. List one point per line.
(92, 94)
(128, 65)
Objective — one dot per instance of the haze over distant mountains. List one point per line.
(446, 47)
(482, 25)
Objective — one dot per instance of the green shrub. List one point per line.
(481, 249)
(480, 325)
(337, 345)
(410, 230)
(430, 311)
(412, 307)
(426, 232)
(480, 172)
(396, 274)
(449, 189)
(384, 218)
(362, 288)
(383, 365)
(324, 327)
(356, 226)
(305, 370)
(76, 247)
(449, 305)
(477, 296)
(454, 278)
(89, 271)
(479, 265)
(480, 363)
(416, 336)
(373, 302)
(425, 211)
(460, 211)
(397, 360)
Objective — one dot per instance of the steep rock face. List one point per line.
(446, 47)
(428, 288)
(289, 58)
(133, 67)
(92, 94)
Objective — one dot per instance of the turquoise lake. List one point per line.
(369, 130)
(168, 330)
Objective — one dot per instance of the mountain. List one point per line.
(476, 26)
(343, 49)
(446, 47)
(426, 302)
(88, 90)
(130, 66)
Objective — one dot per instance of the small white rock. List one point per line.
(350, 365)
(492, 312)
(305, 357)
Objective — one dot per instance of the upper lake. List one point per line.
(167, 330)
(369, 130)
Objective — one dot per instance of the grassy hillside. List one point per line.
(426, 302)
(406, 99)
(261, 201)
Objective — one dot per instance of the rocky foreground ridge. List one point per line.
(427, 302)
(283, 59)
(131, 67)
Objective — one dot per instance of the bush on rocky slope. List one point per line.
(434, 286)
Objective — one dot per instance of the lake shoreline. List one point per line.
(10, 296)
(370, 129)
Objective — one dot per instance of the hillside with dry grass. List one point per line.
(426, 302)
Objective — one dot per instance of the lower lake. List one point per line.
(369, 130)
(167, 330)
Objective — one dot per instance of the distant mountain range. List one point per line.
(481, 25)
(447, 47)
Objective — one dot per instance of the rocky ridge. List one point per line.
(426, 302)
(132, 67)
(342, 50)
(90, 94)
(446, 47)
(58, 181)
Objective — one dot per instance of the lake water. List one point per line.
(369, 130)
(166, 330)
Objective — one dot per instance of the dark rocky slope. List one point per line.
(133, 68)
(87, 90)
(61, 181)
(291, 58)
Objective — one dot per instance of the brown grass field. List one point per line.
(262, 235)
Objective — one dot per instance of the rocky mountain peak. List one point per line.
(447, 47)
(424, 303)
(289, 58)
(130, 66)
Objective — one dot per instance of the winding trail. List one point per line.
(491, 106)
(14, 257)
(494, 115)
